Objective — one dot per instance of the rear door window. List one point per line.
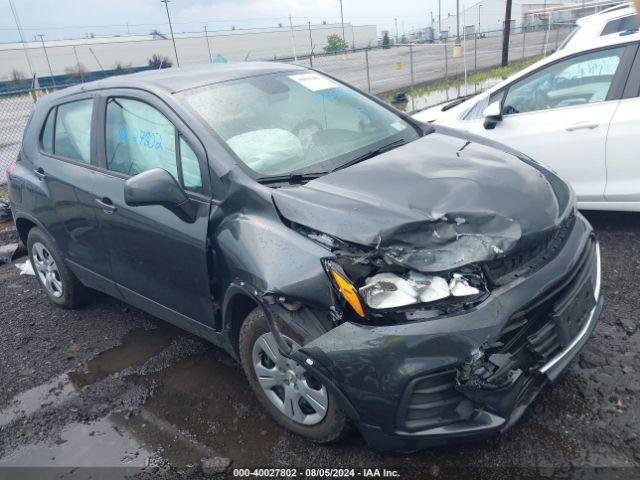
(618, 25)
(72, 138)
(139, 138)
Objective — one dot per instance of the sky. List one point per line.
(62, 19)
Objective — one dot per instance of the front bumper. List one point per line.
(401, 382)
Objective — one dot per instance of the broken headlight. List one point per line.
(389, 290)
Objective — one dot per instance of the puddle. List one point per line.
(415, 103)
(214, 403)
(99, 444)
(52, 393)
(137, 347)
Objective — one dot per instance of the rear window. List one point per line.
(620, 25)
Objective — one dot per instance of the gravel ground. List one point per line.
(108, 385)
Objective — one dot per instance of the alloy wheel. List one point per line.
(47, 270)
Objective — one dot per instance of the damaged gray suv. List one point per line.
(415, 282)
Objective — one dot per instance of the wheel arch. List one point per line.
(24, 225)
(238, 303)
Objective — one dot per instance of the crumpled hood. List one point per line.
(437, 203)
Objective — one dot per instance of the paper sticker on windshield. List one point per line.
(399, 125)
(314, 82)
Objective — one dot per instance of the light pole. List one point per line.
(457, 22)
(175, 50)
(310, 46)
(24, 48)
(293, 40)
(206, 34)
(440, 17)
(342, 22)
(479, 26)
(396, 20)
(53, 82)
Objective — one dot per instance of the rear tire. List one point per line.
(59, 283)
(323, 425)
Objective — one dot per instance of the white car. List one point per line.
(615, 20)
(577, 111)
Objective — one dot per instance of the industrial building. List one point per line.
(487, 16)
(71, 57)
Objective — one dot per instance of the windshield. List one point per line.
(296, 123)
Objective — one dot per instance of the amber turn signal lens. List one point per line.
(348, 292)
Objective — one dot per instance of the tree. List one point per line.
(386, 41)
(75, 73)
(121, 68)
(159, 61)
(335, 43)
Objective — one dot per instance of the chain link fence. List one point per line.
(401, 67)
(380, 71)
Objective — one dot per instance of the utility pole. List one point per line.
(175, 50)
(310, 46)
(53, 82)
(506, 34)
(342, 22)
(96, 59)
(396, 20)
(206, 34)
(439, 17)
(457, 22)
(75, 52)
(293, 40)
(24, 47)
(479, 25)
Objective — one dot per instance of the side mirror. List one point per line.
(492, 115)
(158, 187)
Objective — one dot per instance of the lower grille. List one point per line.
(545, 342)
(431, 402)
(540, 332)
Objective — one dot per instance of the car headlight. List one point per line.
(344, 286)
(388, 290)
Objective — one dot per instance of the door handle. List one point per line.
(40, 173)
(582, 126)
(106, 204)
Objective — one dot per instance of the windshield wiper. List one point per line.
(370, 154)
(291, 178)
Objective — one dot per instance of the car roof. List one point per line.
(176, 79)
(604, 16)
(591, 27)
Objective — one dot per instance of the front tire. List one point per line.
(294, 398)
(59, 283)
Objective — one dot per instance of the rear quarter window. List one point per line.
(46, 134)
(72, 135)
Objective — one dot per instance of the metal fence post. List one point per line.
(557, 37)
(475, 53)
(411, 63)
(446, 63)
(524, 41)
(366, 59)
(411, 69)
